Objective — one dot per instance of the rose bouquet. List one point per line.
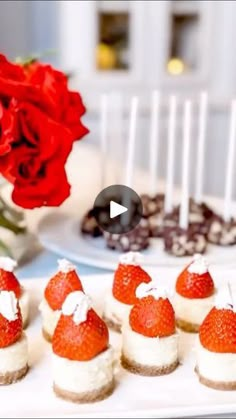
(40, 118)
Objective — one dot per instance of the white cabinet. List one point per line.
(138, 45)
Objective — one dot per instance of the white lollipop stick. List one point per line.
(230, 164)
(202, 124)
(129, 170)
(154, 141)
(116, 122)
(184, 205)
(170, 154)
(103, 137)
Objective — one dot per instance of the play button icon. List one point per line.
(117, 209)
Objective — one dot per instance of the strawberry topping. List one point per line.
(9, 282)
(59, 286)
(126, 280)
(83, 341)
(218, 331)
(153, 318)
(193, 285)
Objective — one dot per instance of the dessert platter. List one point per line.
(126, 344)
(174, 226)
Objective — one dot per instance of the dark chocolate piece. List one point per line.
(153, 210)
(221, 232)
(180, 242)
(89, 225)
(135, 240)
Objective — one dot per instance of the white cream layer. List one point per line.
(216, 366)
(192, 310)
(83, 376)
(50, 317)
(14, 357)
(148, 351)
(115, 310)
(24, 305)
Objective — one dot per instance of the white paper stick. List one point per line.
(184, 205)
(129, 170)
(117, 140)
(103, 137)
(154, 141)
(171, 154)
(202, 129)
(230, 164)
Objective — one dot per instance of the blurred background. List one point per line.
(133, 47)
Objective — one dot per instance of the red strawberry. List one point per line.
(10, 331)
(80, 342)
(8, 282)
(127, 278)
(218, 331)
(192, 285)
(59, 286)
(153, 318)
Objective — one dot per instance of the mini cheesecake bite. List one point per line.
(194, 296)
(149, 339)
(83, 360)
(120, 299)
(65, 281)
(13, 341)
(9, 282)
(216, 348)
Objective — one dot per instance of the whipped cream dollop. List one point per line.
(131, 258)
(7, 264)
(65, 266)
(8, 305)
(78, 304)
(198, 265)
(151, 288)
(225, 299)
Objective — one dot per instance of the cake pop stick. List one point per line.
(202, 129)
(103, 138)
(230, 164)
(184, 205)
(129, 169)
(170, 154)
(154, 141)
(116, 122)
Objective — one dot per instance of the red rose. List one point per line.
(61, 104)
(13, 83)
(36, 162)
(7, 129)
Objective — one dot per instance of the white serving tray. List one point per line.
(176, 395)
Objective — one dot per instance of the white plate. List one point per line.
(61, 234)
(176, 395)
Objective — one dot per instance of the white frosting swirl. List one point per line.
(65, 266)
(131, 258)
(150, 288)
(225, 299)
(7, 264)
(78, 304)
(8, 305)
(199, 265)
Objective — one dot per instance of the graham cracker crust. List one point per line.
(46, 336)
(111, 324)
(86, 397)
(13, 377)
(216, 385)
(147, 370)
(187, 326)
